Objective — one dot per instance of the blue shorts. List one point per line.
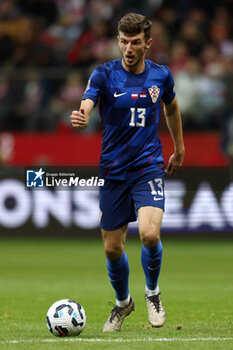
(121, 199)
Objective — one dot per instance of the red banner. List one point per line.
(76, 148)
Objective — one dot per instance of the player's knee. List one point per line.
(113, 250)
(150, 237)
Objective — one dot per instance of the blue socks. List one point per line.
(118, 271)
(151, 259)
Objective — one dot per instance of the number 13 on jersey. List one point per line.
(139, 114)
(156, 187)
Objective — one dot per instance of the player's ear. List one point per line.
(149, 42)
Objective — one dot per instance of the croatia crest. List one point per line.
(154, 93)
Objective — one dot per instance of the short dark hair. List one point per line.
(134, 23)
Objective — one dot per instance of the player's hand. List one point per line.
(174, 163)
(78, 119)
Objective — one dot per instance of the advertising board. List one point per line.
(197, 200)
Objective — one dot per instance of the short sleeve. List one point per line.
(95, 85)
(169, 89)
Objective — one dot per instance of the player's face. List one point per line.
(133, 49)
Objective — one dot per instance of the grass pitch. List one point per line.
(196, 283)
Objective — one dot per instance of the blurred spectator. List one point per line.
(45, 10)
(170, 17)
(179, 56)
(37, 119)
(187, 81)
(6, 45)
(220, 26)
(201, 98)
(159, 51)
(194, 39)
(69, 98)
(90, 45)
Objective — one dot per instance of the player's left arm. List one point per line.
(174, 123)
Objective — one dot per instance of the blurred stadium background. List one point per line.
(48, 50)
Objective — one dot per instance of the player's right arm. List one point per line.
(95, 84)
(80, 119)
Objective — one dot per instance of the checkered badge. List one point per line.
(154, 93)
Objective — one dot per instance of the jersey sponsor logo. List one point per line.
(154, 93)
(118, 95)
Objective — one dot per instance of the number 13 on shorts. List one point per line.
(156, 187)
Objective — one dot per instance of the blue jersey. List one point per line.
(129, 106)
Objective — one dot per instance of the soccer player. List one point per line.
(129, 91)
